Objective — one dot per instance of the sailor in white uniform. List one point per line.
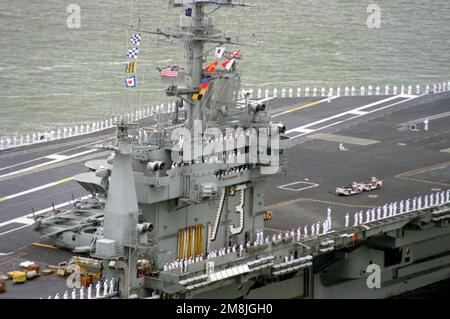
(89, 292)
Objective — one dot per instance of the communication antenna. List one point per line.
(195, 37)
(73, 200)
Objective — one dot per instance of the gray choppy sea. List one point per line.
(52, 76)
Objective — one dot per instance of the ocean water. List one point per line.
(53, 76)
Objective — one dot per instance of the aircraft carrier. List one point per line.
(409, 163)
(331, 140)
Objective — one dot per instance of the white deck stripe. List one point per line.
(301, 130)
(347, 112)
(265, 99)
(32, 190)
(351, 112)
(358, 112)
(301, 106)
(342, 139)
(47, 156)
(57, 157)
(49, 163)
(253, 101)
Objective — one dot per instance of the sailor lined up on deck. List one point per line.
(425, 124)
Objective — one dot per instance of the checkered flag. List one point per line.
(136, 39)
(133, 53)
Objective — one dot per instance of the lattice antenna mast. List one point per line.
(195, 37)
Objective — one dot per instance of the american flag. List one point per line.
(170, 72)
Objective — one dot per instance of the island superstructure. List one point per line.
(177, 209)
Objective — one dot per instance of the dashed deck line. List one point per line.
(12, 257)
(406, 175)
(425, 181)
(293, 201)
(343, 139)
